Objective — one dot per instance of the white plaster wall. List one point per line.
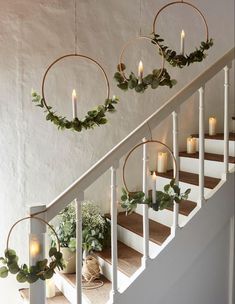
(37, 161)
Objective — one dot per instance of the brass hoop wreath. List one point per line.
(152, 141)
(171, 56)
(159, 77)
(93, 117)
(41, 270)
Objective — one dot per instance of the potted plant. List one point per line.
(66, 231)
(96, 232)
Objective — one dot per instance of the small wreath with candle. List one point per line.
(158, 77)
(94, 117)
(181, 60)
(43, 269)
(163, 199)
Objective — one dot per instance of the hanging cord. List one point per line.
(140, 20)
(75, 27)
(150, 131)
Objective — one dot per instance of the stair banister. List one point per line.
(226, 118)
(134, 137)
(201, 144)
(114, 249)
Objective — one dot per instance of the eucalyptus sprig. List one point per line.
(159, 77)
(164, 199)
(95, 117)
(179, 60)
(41, 270)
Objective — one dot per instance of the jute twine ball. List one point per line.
(90, 269)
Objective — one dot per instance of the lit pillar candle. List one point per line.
(50, 288)
(140, 72)
(162, 162)
(182, 38)
(212, 126)
(34, 247)
(154, 187)
(74, 103)
(191, 145)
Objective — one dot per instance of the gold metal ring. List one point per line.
(152, 141)
(77, 56)
(131, 41)
(33, 218)
(186, 3)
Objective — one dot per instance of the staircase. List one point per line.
(145, 243)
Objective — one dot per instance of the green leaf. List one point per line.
(52, 251)
(10, 254)
(32, 278)
(3, 272)
(13, 267)
(21, 277)
(155, 83)
(123, 86)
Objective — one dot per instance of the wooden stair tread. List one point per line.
(192, 178)
(99, 295)
(219, 136)
(58, 299)
(208, 156)
(129, 260)
(185, 207)
(158, 233)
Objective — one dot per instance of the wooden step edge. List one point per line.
(192, 178)
(58, 299)
(158, 239)
(208, 156)
(129, 260)
(185, 207)
(218, 136)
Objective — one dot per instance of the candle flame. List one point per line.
(141, 67)
(74, 94)
(154, 176)
(182, 34)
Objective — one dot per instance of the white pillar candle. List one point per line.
(34, 247)
(212, 126)
(154, 187)
(191, 145)
(162, 162)
(50, 288)
(182, 38)
(140, 72)
(74, 103)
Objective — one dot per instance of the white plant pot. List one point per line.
(70, 260)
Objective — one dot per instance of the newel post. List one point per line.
(37, 290)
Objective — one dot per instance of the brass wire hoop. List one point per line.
(36, 218)
(152, 141)
(133, 40)
(77, 56)
(186, 3)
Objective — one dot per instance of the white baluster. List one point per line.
(226, 120)
(201, 145)
(114, 250)
(78, 202)
(37, 294)
(176, 170)
(145, 207)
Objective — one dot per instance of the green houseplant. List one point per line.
(95, 232)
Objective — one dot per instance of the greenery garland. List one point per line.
(159, 77)
(95, 117)
(164, 199)
(42, 270)
(179, 60)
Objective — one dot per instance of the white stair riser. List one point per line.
(164, 217)
(216, 146)
(68, 290)
(212, 168)
(107, 272)
(135, 241)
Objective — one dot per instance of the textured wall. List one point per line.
(37, 161)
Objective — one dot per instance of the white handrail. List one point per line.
(134, 137)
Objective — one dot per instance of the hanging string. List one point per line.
(140, 20)
(75, 27)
